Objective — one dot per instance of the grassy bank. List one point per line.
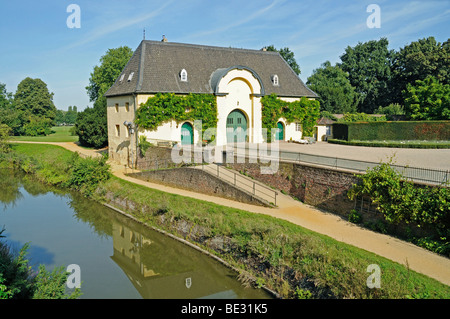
(295, 262)
(59, 134)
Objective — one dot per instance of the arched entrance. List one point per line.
(187, 134)
(236, 127)
(280, 134)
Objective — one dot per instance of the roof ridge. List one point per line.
(209, 47)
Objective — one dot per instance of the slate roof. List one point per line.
(156, 67)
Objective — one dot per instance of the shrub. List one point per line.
(19, 281)
(87, 173)
(399, 200)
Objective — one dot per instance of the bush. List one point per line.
(18, 281)
(91, 127)
(87, 173)
(399, 200)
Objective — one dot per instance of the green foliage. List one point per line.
(418, 60)
(37, 126)
(288, 56)
(336, 94)
(392, 131)
(5, 131)
(33, 98)
(368, 65)
(399, 200)
(391, 110)
(52, 285)
(143, 144)
(354, 217)
(91, 124)
(304, 111)
(168, 106)
(91, 127)
(428, 100)
(68, 117)
(18, 281)
(87, 173)
(104, 75)
(360, 117)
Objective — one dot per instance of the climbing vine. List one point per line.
(304, 111)
(164, 107)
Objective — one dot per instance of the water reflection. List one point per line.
(119, 258)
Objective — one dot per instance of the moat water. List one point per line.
(117, 257)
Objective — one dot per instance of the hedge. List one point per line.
(398, 144)
(392, 131)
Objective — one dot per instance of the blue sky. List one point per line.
(36, 41)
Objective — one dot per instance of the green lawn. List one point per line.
(61, 134)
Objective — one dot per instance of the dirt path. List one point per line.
(418, 259)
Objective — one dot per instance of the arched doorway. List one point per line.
(280, 134)
(236, 127)
(187, 134)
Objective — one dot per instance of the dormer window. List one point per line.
(275, 80)
(183, 75)
(130, 76)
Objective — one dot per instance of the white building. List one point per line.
(238, 78)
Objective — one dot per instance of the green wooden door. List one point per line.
(236, 127)
(187, 134)
(280, 135)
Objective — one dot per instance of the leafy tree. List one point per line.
(418, 60)
(91, 124)
(369, 67)
(288, 56)
(33, 98)
(5, 131)
(91, 127)
(428, 100)
(8, 114)
(105, 74)
(336, 94)
(391, 110)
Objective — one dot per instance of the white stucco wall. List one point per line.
(239, 87)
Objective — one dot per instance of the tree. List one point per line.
(34, 107)
(91, 127)
(288, 56)
(427, 100)
(336, 94)
(104, 75)
(91, 124)
(418, 60)
(33, 98)
(8, 115)
(369, 67)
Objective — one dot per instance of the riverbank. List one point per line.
(285, 257)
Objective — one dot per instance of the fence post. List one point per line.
(254, 188)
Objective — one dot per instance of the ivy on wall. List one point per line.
(164, 107)
(304, 111)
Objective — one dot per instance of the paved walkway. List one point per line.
(418, 259)
(423, 158)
